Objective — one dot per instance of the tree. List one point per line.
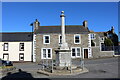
(108, 42)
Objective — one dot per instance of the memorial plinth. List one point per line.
(63, 58)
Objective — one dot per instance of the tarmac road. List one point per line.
(98, 68)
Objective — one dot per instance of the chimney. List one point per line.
(36, 24)
(85, 24)
(112, 29)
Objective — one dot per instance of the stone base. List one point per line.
(63, 58)
(64, 72)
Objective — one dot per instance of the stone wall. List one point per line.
(97, 53)
(54, 43)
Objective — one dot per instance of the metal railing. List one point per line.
(49, 64)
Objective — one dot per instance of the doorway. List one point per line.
(85, 53)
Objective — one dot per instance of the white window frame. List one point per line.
(91, 35)
(102, 38)
(76, 56)
(79, 38)
(23, 47)
(44, 39)
(5, 47)
(5, 54)
(21, 54)
(46, 53)
(59, 38)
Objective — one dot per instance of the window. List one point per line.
(77, 39)
(46, 53)
(76, 52)
(46, 39)
(5, 56)
(102, 38)
(21, 47)
(21, 57)
(92, 36)
(60, 39)
(5, 47)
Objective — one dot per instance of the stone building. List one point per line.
(48, 38)
(99, 49)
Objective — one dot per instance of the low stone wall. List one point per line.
(106, 54)
(97, 53)
(4, 70)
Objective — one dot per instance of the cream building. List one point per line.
(16, 46)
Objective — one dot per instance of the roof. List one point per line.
(15, 36)
(101, 34)
(70, 29)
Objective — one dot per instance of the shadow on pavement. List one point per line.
(20, 75)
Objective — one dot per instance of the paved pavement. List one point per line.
(98, 68)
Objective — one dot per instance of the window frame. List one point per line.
(45, 40)
(20, 58)
(4, 47)
(6, 54)
(20, 47)
(92, 36)
(79, 39)
(60, 40)
(76, 56)
(46, 53)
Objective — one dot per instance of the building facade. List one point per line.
(48, 38)
(16, 46)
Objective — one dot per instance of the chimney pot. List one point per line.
(85, 24)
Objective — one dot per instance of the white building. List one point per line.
(16, 46)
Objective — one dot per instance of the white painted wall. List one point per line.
(13, 50)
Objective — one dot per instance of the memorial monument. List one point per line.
(63, 64)
(63, 55)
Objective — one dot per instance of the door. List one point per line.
(85, 53)
(5, 57)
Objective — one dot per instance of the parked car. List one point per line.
(7, 63)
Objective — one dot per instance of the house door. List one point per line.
(85, 53)
(5, 56)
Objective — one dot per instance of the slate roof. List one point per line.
(70, 29)
(101, 34)
(15, 36)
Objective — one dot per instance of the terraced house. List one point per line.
(16, 46)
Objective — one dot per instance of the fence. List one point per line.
(116, 49)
